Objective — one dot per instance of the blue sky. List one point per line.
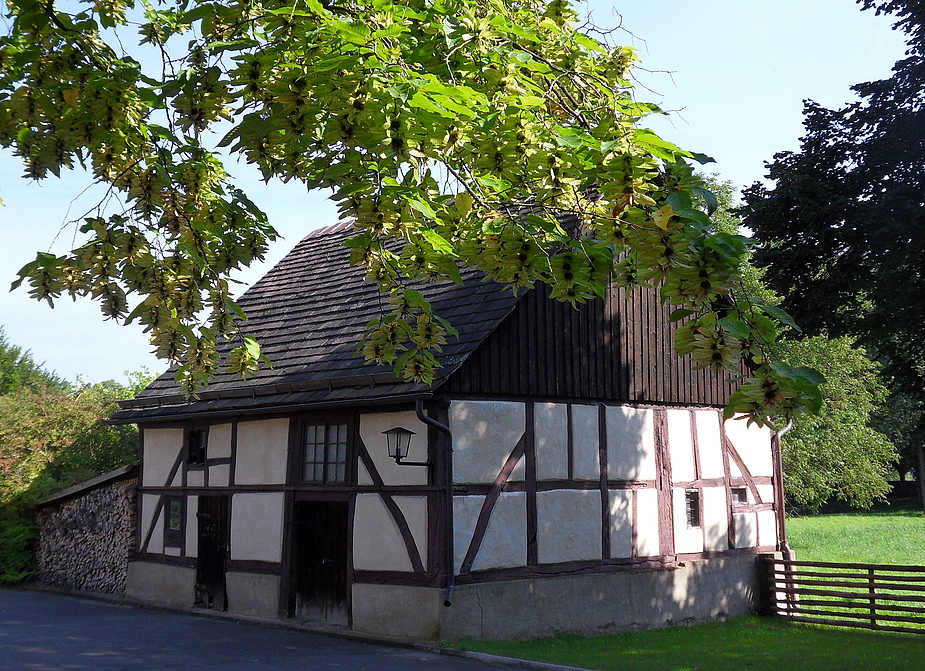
(733, 74)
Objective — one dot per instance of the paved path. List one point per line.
(51, 632)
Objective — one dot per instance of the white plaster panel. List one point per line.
(161, 449)
(767, 528)
(734, 471)
(257, 526)
(647, 523)
(172, 552)
(192, 526)
(550, 421)
(484, 435)
(414, 509)
(178, 478)
(262, 449)
(465, 514)
(766, 492)
(680, 446)
(195, 477)
(621, 523)
(378, 544)
(715, 520)
(630, 444)
(219, 442)
(753, 444)
(686, 539)
(152, 522)
(585, 443)
(377, 541)
(219, 475)
(746, 526)
(505, 542)
(568, 525)
(709, 444)
(371, 428)
(363, 476)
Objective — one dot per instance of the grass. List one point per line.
(885, 535)
(752, 643)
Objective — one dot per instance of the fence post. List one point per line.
(873, 596)
(765, 585)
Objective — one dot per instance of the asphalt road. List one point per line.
(51, 632)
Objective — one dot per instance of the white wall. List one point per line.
(371, 428)
(377, 541)
(484, 435)
(162, 447)
(257, 526)
(262, 451)
(630, 444)
(568, 525)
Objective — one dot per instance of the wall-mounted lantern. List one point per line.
(399, 443)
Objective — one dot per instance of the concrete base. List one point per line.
(697, 591)
(160, 584)
(253, 594)
(397, 610)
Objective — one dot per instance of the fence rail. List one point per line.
(871, 596)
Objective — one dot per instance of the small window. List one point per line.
(324, 450)
(692, 501)
(196, 441)
(173, 521)
(739, 495)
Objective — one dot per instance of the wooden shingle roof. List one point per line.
(309, 313)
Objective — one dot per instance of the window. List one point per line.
(196, 441)
(324, 450)
(692, 502)
(173, 521)
(739, 495)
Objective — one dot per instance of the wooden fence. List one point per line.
(871, 596)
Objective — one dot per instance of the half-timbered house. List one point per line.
(567, 472)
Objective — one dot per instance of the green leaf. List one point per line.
(679, 314)
(782, 316)
(422, 207)
(735, 326)
(438, 242)
(252, 346)
(417, 299)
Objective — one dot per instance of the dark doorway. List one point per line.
(212, 552)
(321, 561)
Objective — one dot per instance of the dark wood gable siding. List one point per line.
(616, 349)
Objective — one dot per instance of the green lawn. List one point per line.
(886, 535)
(753, 643)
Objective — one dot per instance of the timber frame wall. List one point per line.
(518, 499)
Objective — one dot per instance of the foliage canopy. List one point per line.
(53, 434)
(839, 453)
(842, 229)
(466, 131)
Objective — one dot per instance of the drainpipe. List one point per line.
(448, 488)
(779, 493)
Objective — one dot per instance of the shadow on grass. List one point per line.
(754, 643)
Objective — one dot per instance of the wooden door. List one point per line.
(212, 552)
(321, 561)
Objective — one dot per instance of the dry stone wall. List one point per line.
(85, 543)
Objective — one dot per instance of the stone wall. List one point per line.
(87, 535)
